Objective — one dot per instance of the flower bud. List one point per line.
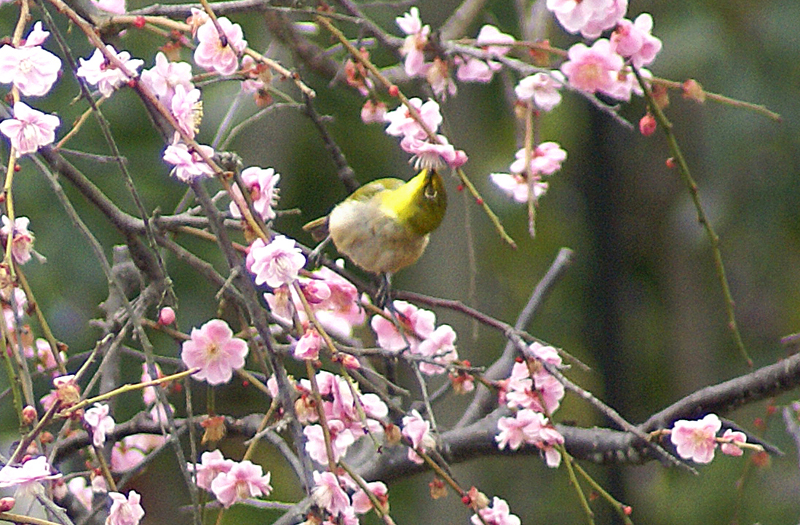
(28, 415)
(6, 504)
(438, 488)
(67, 390)
(166, 316)
(215, 429)
(647, 125)
(392, 434)
(693, 90)
(349, 361)
(478, 499)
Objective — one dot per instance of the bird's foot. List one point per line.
(383, 295)
(315, 255)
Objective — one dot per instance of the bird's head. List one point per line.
(421, 202)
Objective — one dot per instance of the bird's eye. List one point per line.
(430, 192)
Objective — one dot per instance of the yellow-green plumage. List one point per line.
(384, 225)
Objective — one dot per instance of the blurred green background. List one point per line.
(641, 303)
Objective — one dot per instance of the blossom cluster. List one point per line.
(533, 394)
(343, 499)
(230, 481)
(697, 440)
(32, 473)
(417, 336)
(349, 415)
(603, 67)
(420, 137)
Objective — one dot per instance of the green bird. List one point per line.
(385, 225)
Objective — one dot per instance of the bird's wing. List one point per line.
(318, 228)
(367, 191)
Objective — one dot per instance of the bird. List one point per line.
(385, 225)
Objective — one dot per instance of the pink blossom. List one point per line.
(361, 501)
(276, 263)
(211, 55)
(573, 15)
(131, 450)
(492, 40)
(212, 463)
(548, 354)
(541, 89)
(37, 36)
(116, 7)
(593, 69)
(520, 377)
(438, 76)
(188, 165)
(633, 40)
(549, 437)
(81, 491)
(100, 422)
(498, 514)
(415, 42)
(328, 494)
(532, 428)
(214, 350)
(30, 129)
(513, 429)
(107, 77)
(308, 346)
(32, 70)
(341, 439)
(401, 124)
(243, 480)
(373, 112)
(185, 107)
(696, 440)
(418, 431)
(589, 17)
(165, 76)
(429, 155)
(254, 81)
(21, 238)
(417, 323)
(125, 458)
(549, 389)
(732, 448)
(519, 392)
(262, 184)
(158, 412)
(197, 18)
(125, 510)
(472, 69)
(315, 291)
(28, 475)
(342, 404)
(149, 394)
(606, 17)
(627, 84)
(546, 159)
(516, 186)
(338, 313)
(440, 346)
